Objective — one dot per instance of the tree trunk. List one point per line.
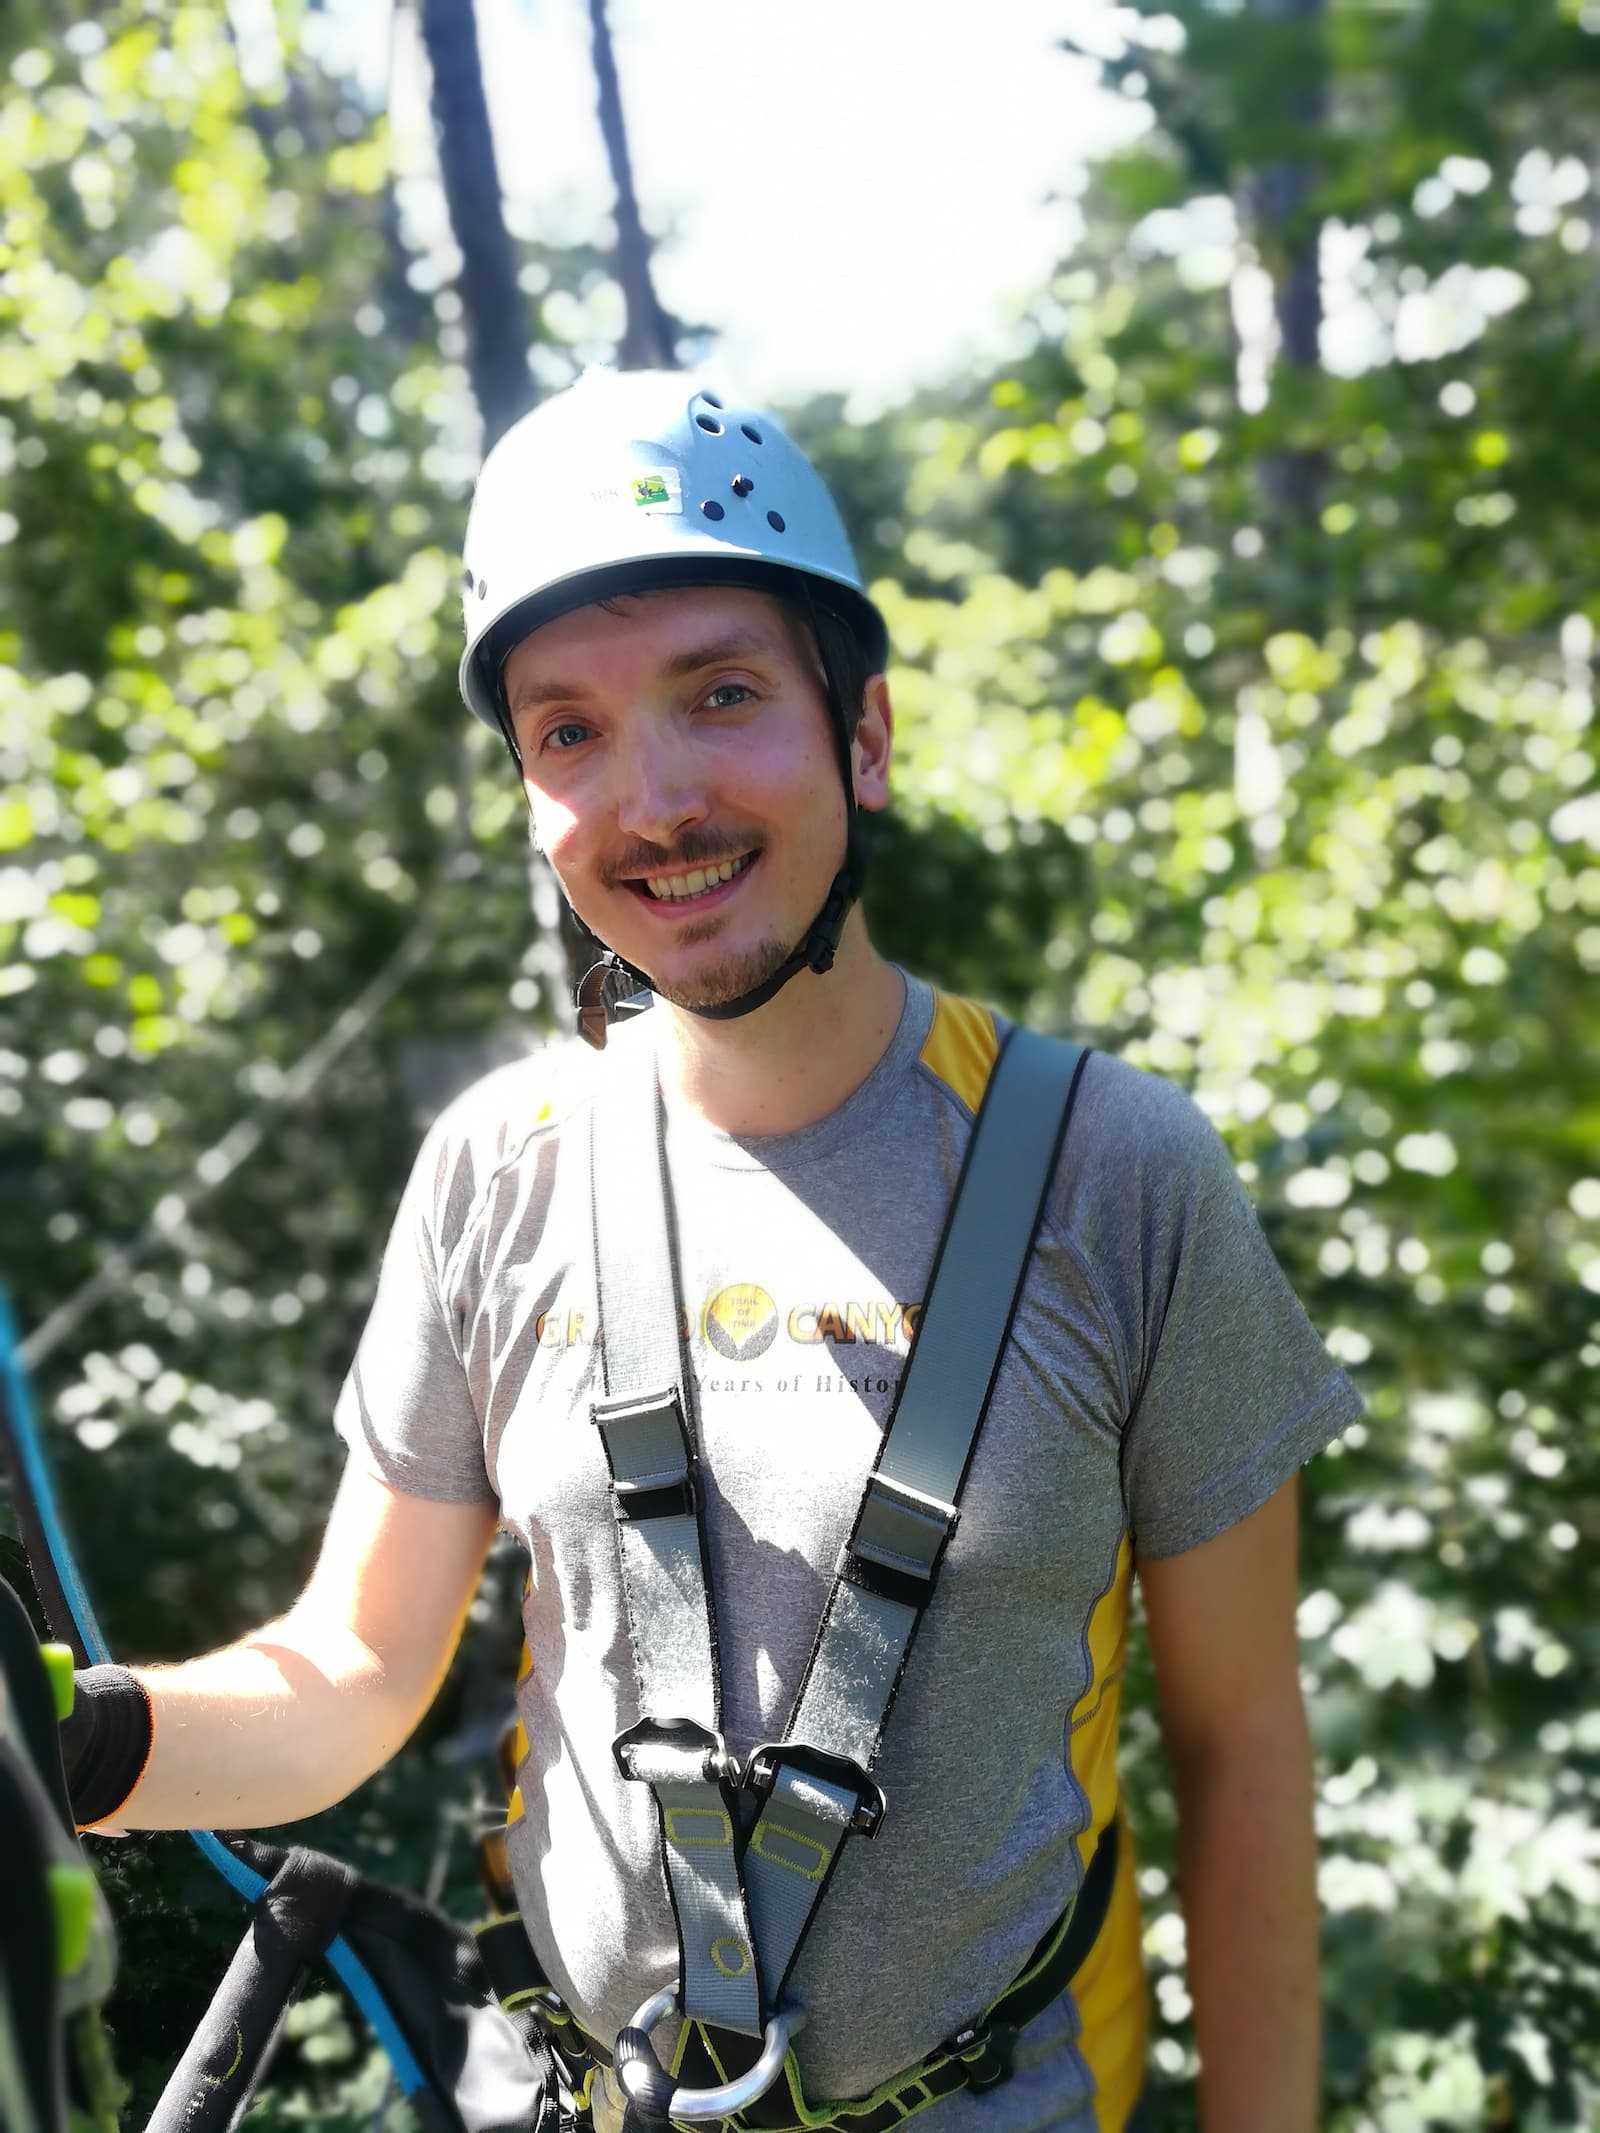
(649, 337)
(1293, 477)
(494, 307)
(496, 318)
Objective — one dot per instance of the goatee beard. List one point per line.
(727, 980)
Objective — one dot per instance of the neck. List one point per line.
(796, 1058)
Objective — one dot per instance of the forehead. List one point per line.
(649, 628)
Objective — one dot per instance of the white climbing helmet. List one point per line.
(641, 478)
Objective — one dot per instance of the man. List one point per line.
(665, 621)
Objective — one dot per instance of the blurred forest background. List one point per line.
(1246, 728)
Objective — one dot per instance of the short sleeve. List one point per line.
(405, 1409)
(1237, 1388)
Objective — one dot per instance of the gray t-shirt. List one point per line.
(1160, 1381)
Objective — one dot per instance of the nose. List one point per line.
(656, 794)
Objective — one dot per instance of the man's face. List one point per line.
(684, 780)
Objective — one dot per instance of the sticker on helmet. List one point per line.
(658, 490)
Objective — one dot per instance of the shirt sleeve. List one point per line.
(405, 1409)
(1235, 1388)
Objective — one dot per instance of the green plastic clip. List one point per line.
(72, 1892)
(59, 1663)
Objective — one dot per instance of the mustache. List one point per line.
(694, 848)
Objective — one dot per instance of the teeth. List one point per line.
(666, 887)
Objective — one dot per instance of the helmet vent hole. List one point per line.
(712, 508)
(710, 424)
(753, 435)
(469, 581)
(742, 485)
(775, 521)
(711, 400)
(483, 588)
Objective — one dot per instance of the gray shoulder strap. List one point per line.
(999, 1201)
(645, 1420)
(818, 1779)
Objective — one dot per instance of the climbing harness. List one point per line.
(638, 481)
(743, 1908)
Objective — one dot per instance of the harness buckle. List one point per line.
(988, 2049)
(761, 1774)
(646, 1752)
(899, 1540)
(647, 1450)
(647, 1499)
(601, 1000)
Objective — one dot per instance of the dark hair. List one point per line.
(847, 665)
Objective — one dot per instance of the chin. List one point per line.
(725, 979)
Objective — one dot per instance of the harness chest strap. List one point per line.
(739, 1937)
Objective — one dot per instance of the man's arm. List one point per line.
(296, 1714)
(1222, 1634)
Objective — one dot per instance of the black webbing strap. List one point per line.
(294, 1919)
(507, 1955)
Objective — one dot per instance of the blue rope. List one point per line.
(343, 1960)
(30, 1453)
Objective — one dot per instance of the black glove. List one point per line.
(105, 1742)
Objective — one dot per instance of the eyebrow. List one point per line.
(691, 660)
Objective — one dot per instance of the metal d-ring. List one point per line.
(650, 2089)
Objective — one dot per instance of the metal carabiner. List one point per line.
(650, 2088)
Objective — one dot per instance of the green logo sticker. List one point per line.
(658, 489)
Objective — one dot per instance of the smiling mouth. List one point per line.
(695, 886)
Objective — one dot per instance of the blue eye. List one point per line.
(554, 738)
(722, 689)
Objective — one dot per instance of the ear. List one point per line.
(871, 746)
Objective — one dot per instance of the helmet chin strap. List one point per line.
(602, 1000)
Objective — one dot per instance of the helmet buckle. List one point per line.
(607, 992)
